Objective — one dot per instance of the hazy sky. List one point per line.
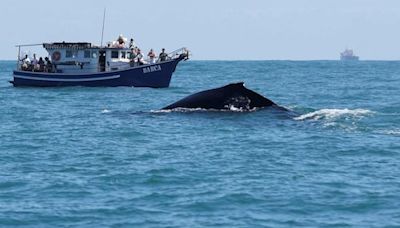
(214, 29)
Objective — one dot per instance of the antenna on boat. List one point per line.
(102, 31)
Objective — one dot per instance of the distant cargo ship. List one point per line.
(348, 55)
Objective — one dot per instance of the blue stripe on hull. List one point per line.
(136, 77)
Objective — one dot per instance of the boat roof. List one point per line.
(67, 45)
(77, 46)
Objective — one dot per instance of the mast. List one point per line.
(102, 31)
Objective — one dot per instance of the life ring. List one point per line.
(56, 56)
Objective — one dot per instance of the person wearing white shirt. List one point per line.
(25, 63)
(35, 62)
(139, 57)
(26, 60)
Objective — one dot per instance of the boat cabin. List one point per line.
(86, 58)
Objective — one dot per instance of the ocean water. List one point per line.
(105, 157)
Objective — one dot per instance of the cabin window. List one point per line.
(68, 54)
(71, 54)
(87, 54)
(114, 54)
(123, 54)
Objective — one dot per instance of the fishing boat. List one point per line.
(85, 64)
(348, 55)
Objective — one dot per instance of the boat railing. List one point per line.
(74, 66)
(180, 52)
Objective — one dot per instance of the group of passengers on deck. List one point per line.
(136, 56)
(37, 65)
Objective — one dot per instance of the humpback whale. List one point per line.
(230, 97)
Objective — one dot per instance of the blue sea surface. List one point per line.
(105, 157)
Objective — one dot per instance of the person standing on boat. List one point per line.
(163, 56)
(152, 56)
(35, 62)
(139, 57)
(41, 64)
(132, 57)
(132, 44)
(49, 65)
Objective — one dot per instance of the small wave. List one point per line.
(232, 108)
(105, 111)
(185, 110)
(161, 111)
(334, 114)
(395, 132)
(182, 110)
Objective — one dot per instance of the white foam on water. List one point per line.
(105, 111)
(161, 111)
(178, 110)
(185, 110)
(232, 108)
(395, 132)
(332, 114)
(189, 110)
